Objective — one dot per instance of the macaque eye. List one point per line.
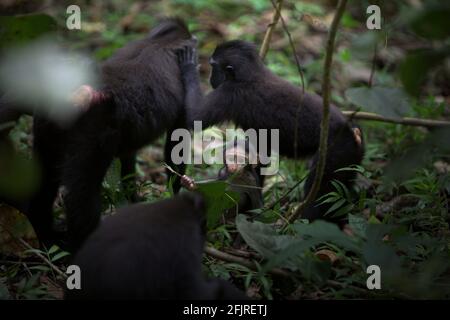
(229, 68)
(229, 72)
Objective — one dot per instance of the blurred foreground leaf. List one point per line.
(432, 21)
(218, 199)
(19, 29)
(415, 67)
(389, 102)
(405, 166)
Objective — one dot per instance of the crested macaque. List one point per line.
(242, 176)
(249, 94)
(141, 98)
(150, 251)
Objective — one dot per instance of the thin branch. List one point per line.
(372, 70)
(324, 125)
(27, 246)
(291, 43)
(302, 78)
(268, 36)
(405, 121)
(213, 252)
(272, 205)
(48, 262)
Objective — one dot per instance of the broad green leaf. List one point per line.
(405, 166)
(415, 67)
(262, 237)
(327, 232)
(19, 177)
(389, 102)
(218, 199)
(358, 225)
(432, 21)
(384, 256)
(363, 45)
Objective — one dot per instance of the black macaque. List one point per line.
(249, 94)
(141, 98)
(150, 251)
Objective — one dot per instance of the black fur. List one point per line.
(249, 94)
(150, 251)
(144, 93)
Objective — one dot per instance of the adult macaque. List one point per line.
(150, 251)
(142, 97)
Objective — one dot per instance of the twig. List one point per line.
(268, 36)
(372, 70)
(50, 264)
(28, 247)
(173, 171)
(272, 205)
(326, 113)
(405, 121)
(343, 285)
(242, 253)
(302, 78)
(213, 252)
(291, 43)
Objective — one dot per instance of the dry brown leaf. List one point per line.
(13, 223)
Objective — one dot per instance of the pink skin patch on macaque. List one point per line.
(86, 96)
(357, 134)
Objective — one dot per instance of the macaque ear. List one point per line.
(357, 134)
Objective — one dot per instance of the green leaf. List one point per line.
(389, 102)
(113, 177)
(53, 249)
(290, 251)
(20, 29)
(432, 21)
(262, 237)
(4, 292)
(218, 199)
(335, 206)
(363, 45)
(34, 251)
(40, 268)
(59, 256)
(415, 67)
(327, 232)
(358, 225)
(405, 166)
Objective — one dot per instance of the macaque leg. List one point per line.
(83, 176)
(128, 173)
(344, 150)
(48, 155)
